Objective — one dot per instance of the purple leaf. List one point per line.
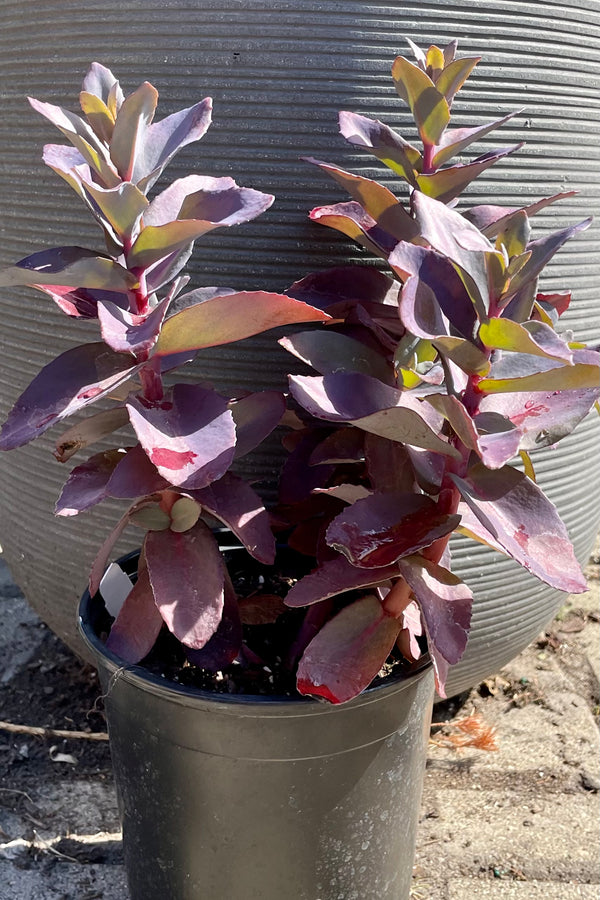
(380, 529)
(541, 417)
(81, 303)
(369, 404)
(226, 643)
(67, 384)
(165, 138)
(237, 505)
(492, 219)
(383, 142)
(353, 221)
(127, 332)
(222, 320)
(388, 465)
(440, 276)
(86, 485)
(330, 351)
(446, 184)
(335, 577)
(130, 130)
(542, 252)
(353, 284)
(346, 445)
(375, 199)
(299, 477)
(445, 603)
(135, 476)
(348, 652)
(524, 522)
(136, 628)
(102, 557)
(429, 468)
(189, 435)
(522, 373)
(89, 431)
(101, 82)
(500, 442)
(187, 577)
(411, 631)
(255, 417)
(455, 140)
(69, 266)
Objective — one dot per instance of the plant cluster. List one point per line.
(432, 375)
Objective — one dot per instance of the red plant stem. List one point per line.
(428, 154)
(152, 386)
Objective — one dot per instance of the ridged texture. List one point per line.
(279, 72)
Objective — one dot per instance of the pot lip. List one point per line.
(293, 704)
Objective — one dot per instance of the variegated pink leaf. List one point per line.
(187, 575)
(189, 435)
(127, 332)
(135, 476)
(524, 522)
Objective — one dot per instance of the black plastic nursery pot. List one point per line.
(227, 797)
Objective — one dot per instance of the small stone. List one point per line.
(589, 782)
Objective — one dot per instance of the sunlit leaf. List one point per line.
(455, 140)
(352, 220)
(330, 351)
(129, 133)
(187, 576)
(71, 266)
(335, 577)
(532, 338)
(185, 512)
(87, 483)
(348, 652)
(383, 142)
(524, 522)
(165, 138)
(446, 184)
(122, 206)
(453, 76)
(427, 104)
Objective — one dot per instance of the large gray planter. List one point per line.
(279, 72)
(254, 798)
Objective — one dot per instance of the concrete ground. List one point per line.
(518, 823)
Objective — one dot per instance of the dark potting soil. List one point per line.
(265, 667)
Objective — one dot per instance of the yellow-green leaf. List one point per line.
(427, 104)
(185, 512)
(454, 76)
(562, 378)
(504, 334)
(122, 206)
(527, 465)
(98, 115)
(515, 235)
(151, 518)
(464, 354)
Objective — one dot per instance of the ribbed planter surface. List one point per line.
(279, 71)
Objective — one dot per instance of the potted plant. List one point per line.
(233, 782)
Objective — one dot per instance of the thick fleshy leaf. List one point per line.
(383, 142)
(453, 76)
(127, 332)
(388, 465)
(69, 266)
(532, 337)
(451, 234)
(428, 106)
(101, 82)
(129, 134)
(330, 351)
(348, 652)
(542, 417)
(525, 373)
(420, 310)
(440, 276)
(98, 114)
(137, 626)
(445, 602)
(411, 631)
(237, 505)
(352, 220)
(255, 417)
(299, 477)
(80, 303)
(354, 284)
(89, 431)
(222, 320)
(187, 577)
(189, 435)
(70, 382)
(122, 206)
(446, 184)
(81, 135)
(165, 138)
(135, 476)
(86, 485)
(68, 162)
(334, 577)
(542, 252)
(369, 404)
(225, 644)
(492, 219)
(455, 140)
(499, 444)
(376, 200)
(101, 561)
(524, 522)
(464, 354)
(380, 529)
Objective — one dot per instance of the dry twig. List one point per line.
(54, 732)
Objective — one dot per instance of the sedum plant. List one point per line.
(432, 376)
(175, 469)
(435, 374)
